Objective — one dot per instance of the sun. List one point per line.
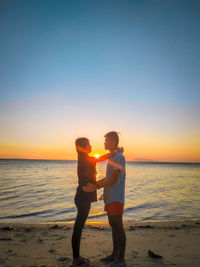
(96, 156)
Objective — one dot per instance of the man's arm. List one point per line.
(111, 181)
(109, 155)
(103, 182)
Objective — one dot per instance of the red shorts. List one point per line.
(114, 208)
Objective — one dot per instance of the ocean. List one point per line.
(35, 191)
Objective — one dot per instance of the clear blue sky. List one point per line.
(131, 60)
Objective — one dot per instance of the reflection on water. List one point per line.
(43, 191)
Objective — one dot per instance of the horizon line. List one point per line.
(137, 161)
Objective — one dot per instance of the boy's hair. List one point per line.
(113, 136)
(81, 143)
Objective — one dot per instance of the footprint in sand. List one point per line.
(51, 250)
(2, 260)
(63, 259)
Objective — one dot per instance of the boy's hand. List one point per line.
(89, 187)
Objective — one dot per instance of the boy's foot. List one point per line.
(80, 261)
(109, 258)
(118, 263)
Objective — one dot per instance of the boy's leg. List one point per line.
(113, 226)
(114, 255)
(83, 211)
(119, 235)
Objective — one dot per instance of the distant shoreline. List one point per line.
(128, 161)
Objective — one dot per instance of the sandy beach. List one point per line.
(28, 245)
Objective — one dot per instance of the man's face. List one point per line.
(107, 143)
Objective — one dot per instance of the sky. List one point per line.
(70, 69)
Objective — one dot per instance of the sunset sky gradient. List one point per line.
(82, 68)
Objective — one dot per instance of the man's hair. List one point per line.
(113, 136)
(81, 143)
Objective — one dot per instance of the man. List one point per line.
(114, 190)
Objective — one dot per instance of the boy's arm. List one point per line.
(103, 182)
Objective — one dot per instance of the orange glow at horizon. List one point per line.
(16, 151)
(149, 150)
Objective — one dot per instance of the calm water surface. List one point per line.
(43, 191)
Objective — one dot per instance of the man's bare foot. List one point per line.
(80, 261)
(118, 263)
(109, 258)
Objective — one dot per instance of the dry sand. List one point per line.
(28, 245)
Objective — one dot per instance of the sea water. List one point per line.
(43, 191)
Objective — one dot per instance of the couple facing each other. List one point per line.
(86, 193)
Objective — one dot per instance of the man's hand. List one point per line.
(101, 197)
(89, 187)
(120, 149)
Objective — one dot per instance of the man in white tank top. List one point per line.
(114, 191)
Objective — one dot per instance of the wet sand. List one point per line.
(28, 245)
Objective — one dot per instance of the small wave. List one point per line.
(158, 217)
(26, 214)
(154, 216)
(7, 198)
(13, 187)
(142, 206)
(65, 211)
(101, 214)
